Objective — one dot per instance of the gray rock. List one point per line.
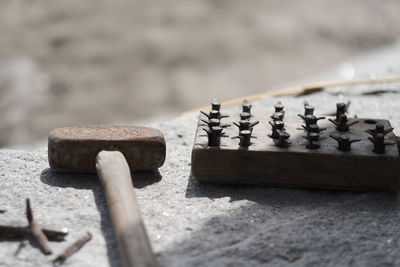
(193, 224)
(199, 224)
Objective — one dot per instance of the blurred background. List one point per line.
(95, 62)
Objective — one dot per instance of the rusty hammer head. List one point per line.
(74, 149)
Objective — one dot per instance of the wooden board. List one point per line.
(264, 163)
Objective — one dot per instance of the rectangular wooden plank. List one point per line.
(264, 163)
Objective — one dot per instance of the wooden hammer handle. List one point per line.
(132, 239)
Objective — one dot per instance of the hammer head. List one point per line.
(74, 149)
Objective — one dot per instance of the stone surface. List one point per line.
(194, 224)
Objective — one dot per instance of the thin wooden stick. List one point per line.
(36, 230)
(22, 231)
(73, 248)
(308, 88)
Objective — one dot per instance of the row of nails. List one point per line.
(342, 125)
(279, 134)
(311, 126)
(245, 125)
(215, 128)
(377, 138)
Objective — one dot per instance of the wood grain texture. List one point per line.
(74, 149)
(263, 163)
(132, 238)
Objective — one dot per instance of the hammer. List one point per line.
(112, 152)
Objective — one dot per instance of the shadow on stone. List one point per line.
(275, 196)
(88, 181)
(65, 179)
(91, 181)
(144, 178)
(280, 227)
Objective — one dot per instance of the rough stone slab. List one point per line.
(193, 224)
(199, 224)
